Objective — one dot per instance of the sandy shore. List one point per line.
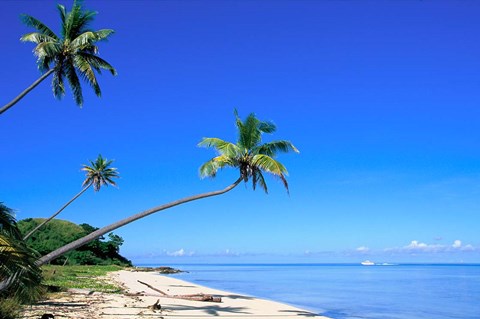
(93, 305)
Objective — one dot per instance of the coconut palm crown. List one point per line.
(73, 53)
(248, 155)
(100, 173)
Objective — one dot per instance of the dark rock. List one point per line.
(162, 270)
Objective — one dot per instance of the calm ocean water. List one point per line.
(353, 291)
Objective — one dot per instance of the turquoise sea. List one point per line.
(344, 291)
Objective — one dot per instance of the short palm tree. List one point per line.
(72, 55)
(248, 155)
(98, 174)
(20, 277)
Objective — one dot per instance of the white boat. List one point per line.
(368, 263)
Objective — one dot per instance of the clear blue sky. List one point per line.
(381, 97)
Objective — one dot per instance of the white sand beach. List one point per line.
(130, 306)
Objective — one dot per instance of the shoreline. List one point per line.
(137, 301)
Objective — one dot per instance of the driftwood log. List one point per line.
(194, 297)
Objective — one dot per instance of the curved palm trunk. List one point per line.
(58, 212)
(102, 231)
(26, 91)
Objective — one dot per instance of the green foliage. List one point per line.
(249, 155)
(100, 173)
(10, 308)
(83, 277)
(19, 276)
(74, 54)
(58, 233)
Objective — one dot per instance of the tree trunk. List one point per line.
(58, 212)
(102, 231)
(26, 91)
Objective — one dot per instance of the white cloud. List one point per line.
(415, 245)
(418, 247)
(363, 249)
(457, 244)
(179, 253)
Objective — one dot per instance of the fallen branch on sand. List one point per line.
(194, 297)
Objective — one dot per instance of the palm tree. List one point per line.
(248, 155)
(98, 174)
(68, 56)
(20, 277)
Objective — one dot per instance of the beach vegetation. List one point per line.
(248, 155)
(70, 56)
(20, 277)
(98, 174)
(10, 308)
(91, 277)
(104, 250)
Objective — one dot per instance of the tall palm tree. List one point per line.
(20, 277)
(248, 155)
(99, 173)
(68, 56)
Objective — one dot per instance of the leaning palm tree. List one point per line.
(20, 277)
(69, 56)
(98, 174)
(248, 155)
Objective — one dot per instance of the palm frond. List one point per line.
(37, 37)
(223, 147)
(257, 177)
(18, 271)
(270, 165)
(267, 127)
(83, 40)
(19, 275)
(63, 15)
(261, 181)
(86, 39)
(238, 123)
(87, 73)
(103, 34)
(70, 21)
(211, 167)
(85, 18)
(47, 49)
(58, 86)
(37, 24)
(249, 135)
(74, 83)
(44, 63)
(272, 148)
(47, 53)
(8, 225)
(97, 63)
(77, 20)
